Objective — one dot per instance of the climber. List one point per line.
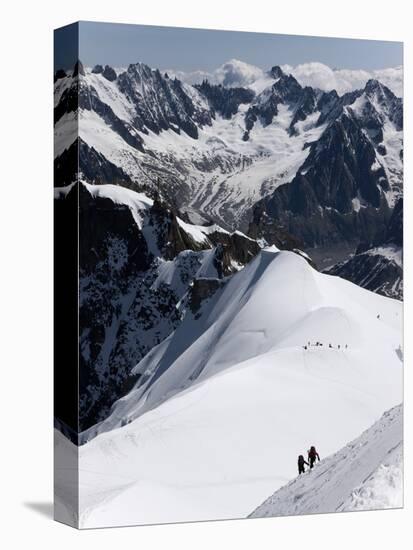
(312, 456)
(301, 462)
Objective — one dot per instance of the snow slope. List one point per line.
(231, 397)
(367, 474)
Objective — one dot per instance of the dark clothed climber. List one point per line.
(301, 462)
(312, 456)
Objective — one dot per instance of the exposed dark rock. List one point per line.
(109, 73)
(78, 69)
(376, 265)
(225, 100)
(80, 96)
(60, 73)
(394, 232)
(163, 103)
(262, 226)
(89, 100)
(287, 91)
(201, 290)
(317, 205)
(80, 161)
(66, 166)
(276, 72)
(97, 69)
(69, 101)
(373, 271)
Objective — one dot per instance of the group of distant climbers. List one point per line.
(317, 344)
(330, 346)
(312, 457)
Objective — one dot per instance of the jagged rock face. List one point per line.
(78, 69)
(80, 161)
(109, 73)
(95, 167)
(60, 73)
(65, 166)
(233, 250)
(389, 104)
(202, 290)
(97, 69)
(339, 193)
(78, 96)
(68, 100)
(161, 103)
(171, 238)
(287, 91)
(113, 260)
(374, 271)
(262, 226)
(394, 233)
(89, 100)
(225, 101)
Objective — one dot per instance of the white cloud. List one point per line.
(238, 73)
(232, 73)
(321, 76)
(315, 74)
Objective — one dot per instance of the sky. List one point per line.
(198, 49)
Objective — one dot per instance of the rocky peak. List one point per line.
(60, 73)
(225, 101)
(78, 69)
(163, 103)
(276, 72)
(109, 73)
(286, 91)
(373, 86)
(97, 69)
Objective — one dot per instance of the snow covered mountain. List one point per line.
(224, 395)
(228, 284)
(367, 474)
(137, 262)
(347, 186)
(220, 150)
(205, 330)
(316, 308)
